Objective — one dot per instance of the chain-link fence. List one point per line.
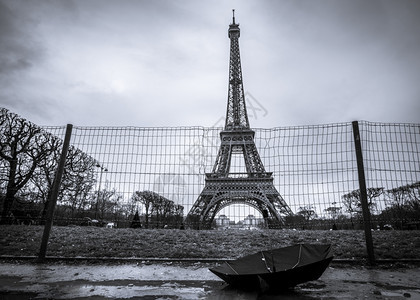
(132, 176)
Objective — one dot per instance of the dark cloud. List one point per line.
(336, 60)
(99, 61)
(19, 52)
(22, 51)
(19, 48)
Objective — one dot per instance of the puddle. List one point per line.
(129, 291)
(17, 296)
(189, 281)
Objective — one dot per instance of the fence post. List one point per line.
(363, 193)
(54, 194)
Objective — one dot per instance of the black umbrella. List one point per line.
(276, 269)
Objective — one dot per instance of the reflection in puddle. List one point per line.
(166, 290)
(153, 290)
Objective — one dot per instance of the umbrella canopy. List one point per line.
(278, 268)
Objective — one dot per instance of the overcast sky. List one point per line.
(165, 63)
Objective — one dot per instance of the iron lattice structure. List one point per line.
(223, 186)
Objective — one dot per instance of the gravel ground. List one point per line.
(79, 241)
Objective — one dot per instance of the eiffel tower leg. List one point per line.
(265, 217)
(274, 221)
(210, 211)
(280, 205)
(193, 217)
(213, 214)
(270, 214)
(196, 218)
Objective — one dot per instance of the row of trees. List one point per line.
(402, 204)
(159, 212)
(106, 205)
(29, 157)
(402, 209)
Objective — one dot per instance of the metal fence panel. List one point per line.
(314, 169)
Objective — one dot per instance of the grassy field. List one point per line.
(20, 240)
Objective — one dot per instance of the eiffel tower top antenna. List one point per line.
(236, 114)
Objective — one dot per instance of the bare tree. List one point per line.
(307, 212)
(23, 145)
(162, 209)
(78, 180)
(146, 198)
(405, 199)
(353, 204)
(414, 202)
(333, 211)
(43, 177)
(108, 200)
(179, 214)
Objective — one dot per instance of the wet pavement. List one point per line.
(153, 280)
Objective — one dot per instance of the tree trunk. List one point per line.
(146, 225)
(10, 192)
(7, 205)
(45, 209)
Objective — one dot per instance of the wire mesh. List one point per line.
(314, 167)
(314, 170)
(392, 167)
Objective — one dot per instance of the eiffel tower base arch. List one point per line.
(219, 193)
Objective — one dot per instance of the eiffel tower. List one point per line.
(253, 187)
